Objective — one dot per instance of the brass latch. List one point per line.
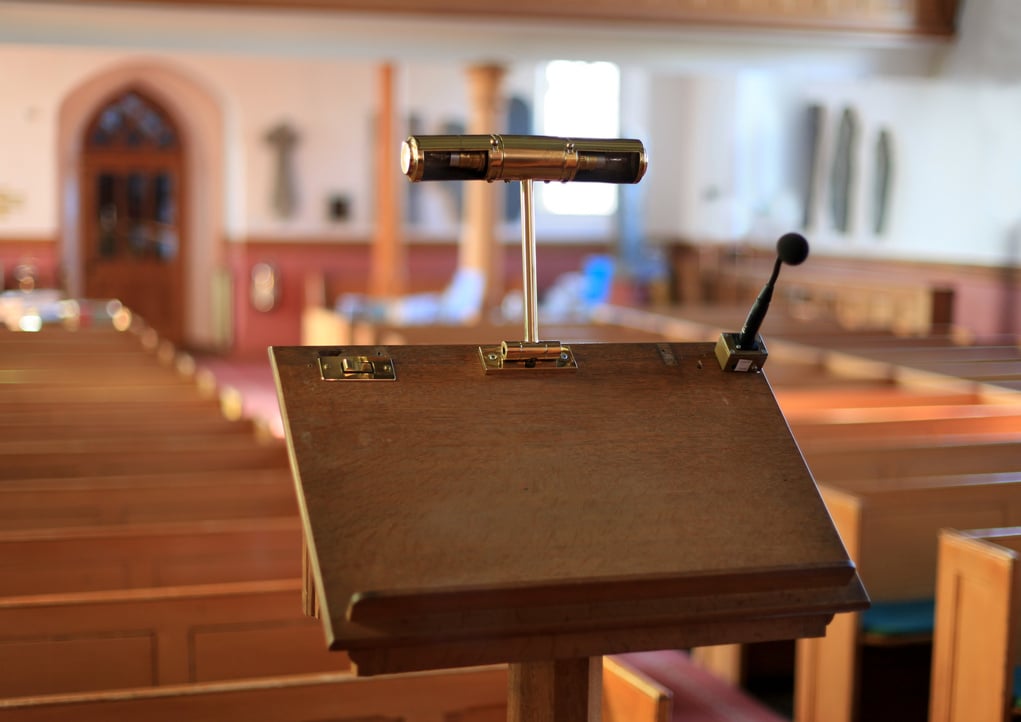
(519, 355)
(357, 368)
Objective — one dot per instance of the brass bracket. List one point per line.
(357, 368)
(733, 358)
(526, 356)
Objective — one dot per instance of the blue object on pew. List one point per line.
(911, 617)
(1017, 688)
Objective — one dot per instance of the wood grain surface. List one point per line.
(648, 488)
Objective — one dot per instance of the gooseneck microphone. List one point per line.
(792, 249)
(746, 351)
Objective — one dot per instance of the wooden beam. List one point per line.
(932, 18)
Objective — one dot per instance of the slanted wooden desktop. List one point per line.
(642, 499)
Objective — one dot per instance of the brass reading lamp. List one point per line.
(524, 158)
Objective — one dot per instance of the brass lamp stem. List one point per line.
(528, 264)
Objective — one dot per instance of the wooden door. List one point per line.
(133, 235)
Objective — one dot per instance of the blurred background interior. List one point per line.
(227, 173)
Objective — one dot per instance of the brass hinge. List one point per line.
(523, 355)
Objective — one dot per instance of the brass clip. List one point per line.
(357, 368)
(524, 355)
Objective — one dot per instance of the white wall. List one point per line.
(956, 193)
(721, 120)
(33, 81)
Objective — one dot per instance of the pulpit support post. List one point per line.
(563, 690)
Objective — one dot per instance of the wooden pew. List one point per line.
(59, 643)
(893, 458)
(853, 296)
(99, 425)
(422, 697)
(630, 693)
(798, 402)
(174, 648)
(29, 396)
(146, 498)
(475, 694)
(322, 326)
(117, 375)
(133, 556)
(127, 409)
(966, 421)
(48, 458)
(100, 338)
(978, 622)
(890, 529)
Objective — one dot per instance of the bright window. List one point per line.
(580, 100)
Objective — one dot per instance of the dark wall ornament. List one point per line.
(283, 138)
(843, 170)
(810, 150)
(882, 187)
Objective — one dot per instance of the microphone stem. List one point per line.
(746, 340)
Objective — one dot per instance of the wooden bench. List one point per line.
(854, 296)
(146, 498)
(894, 458)
(132, 556)
(49, 408)
(978, 622)
(87, 370)
(890, 529)
(474, 694)
(977, 421)
(49, 458)
(28, 396)
(59, 643)
(102, 337)
(799, 402)
(462, 694)
(100, 425)
(162, 652)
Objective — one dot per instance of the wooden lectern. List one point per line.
(645, 500)
(545, 505)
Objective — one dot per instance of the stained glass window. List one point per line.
(131, 122)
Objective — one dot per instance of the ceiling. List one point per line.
(342, 28)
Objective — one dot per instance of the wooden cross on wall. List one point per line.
(283, 138)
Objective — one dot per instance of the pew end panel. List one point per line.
(891, 531)
(975, 643)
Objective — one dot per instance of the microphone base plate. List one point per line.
(732, 358)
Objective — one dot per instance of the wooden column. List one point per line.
(480, 248)
(388, 271)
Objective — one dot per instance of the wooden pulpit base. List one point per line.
(565, 690)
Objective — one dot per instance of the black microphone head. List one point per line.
(792, 248)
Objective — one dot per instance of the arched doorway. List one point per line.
(133, 244)
(196, 112)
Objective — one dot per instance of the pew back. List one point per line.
(146, 498)
(474, 694)
(86, 559)
(58, 643)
